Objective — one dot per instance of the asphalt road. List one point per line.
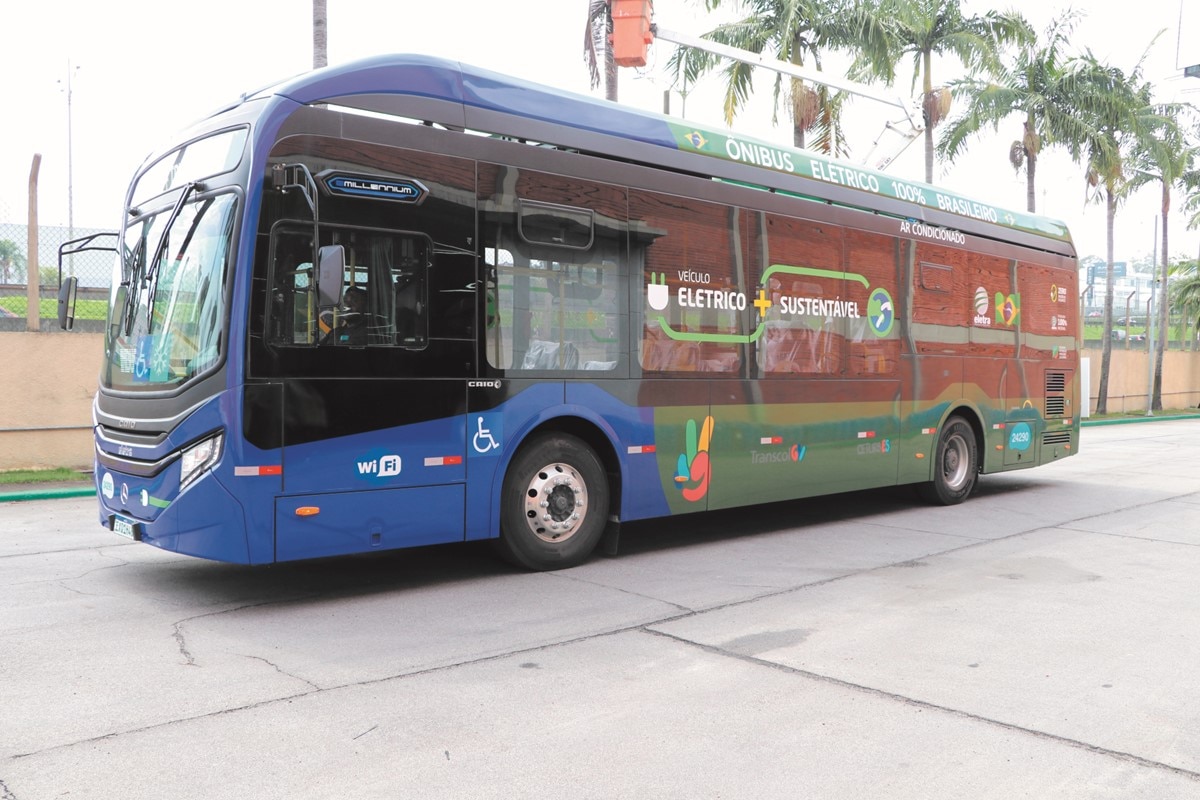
(1041, 640)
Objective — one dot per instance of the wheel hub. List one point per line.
(555, 502)
(954, 462)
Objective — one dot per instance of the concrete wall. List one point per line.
(46, 384)
(48, 381)
(1128, 379)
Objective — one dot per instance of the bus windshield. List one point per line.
(166, 311)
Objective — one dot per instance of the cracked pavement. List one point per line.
(1040, 640)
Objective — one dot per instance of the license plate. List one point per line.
(126, 527)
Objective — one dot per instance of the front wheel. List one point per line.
(554, 505)
(956, 464)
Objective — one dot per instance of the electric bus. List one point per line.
(567, 314)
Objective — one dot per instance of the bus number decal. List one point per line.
(1020, 437)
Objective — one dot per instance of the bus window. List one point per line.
(873, 332)
(694, 299)
(804, 319)
(293, 313)
(546, 223)
(554, 296)
(385, 291)
(552, 315)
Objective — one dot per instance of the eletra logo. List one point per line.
(981, 308)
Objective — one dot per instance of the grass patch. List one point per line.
(48, 309)
(58, 475)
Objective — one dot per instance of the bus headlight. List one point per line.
(199, 457)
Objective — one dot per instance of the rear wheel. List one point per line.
(554, 505)
(956, 464)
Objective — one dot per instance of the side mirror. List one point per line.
(66, 303)
(331, 273)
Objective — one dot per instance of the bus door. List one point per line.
(374, 424)
(872, 309)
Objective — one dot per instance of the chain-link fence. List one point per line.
(93, 268)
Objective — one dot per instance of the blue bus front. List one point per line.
(170, 374)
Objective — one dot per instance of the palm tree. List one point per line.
(12, 261)
(1162, 155)
(924, 28)
(1184, 291)
(1191, 206)
(320, 28)
(1116, 110)
(1032, 83)
(597, 39)
(795, 31)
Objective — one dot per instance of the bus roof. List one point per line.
(459, 95)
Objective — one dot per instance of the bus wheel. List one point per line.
(554, 505)
(956, 465)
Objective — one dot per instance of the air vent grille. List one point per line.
(1056, 400)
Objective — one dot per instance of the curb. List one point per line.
(1125, 421)
(46, 494)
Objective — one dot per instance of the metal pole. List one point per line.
(796, 71)
(1150, 325)
(1129, 313)
(32, 273)
(70, 160)
(70, 165)
(1150, 354)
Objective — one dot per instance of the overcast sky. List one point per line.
(142, 69)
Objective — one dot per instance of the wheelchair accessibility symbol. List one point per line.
(486, 438)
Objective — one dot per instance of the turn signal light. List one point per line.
(307, 511)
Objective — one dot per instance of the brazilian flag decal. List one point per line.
(1008, 309)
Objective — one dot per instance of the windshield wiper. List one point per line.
(151, 278)
(131, 270)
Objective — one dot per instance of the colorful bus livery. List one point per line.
(405, 302)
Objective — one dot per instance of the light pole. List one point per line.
(70, 167)
(1150, 326)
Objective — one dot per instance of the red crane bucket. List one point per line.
(631, 31)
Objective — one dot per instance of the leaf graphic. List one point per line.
(682, 469)
(706, 434)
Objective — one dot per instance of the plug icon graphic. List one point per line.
(657, 293)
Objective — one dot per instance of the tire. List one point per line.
(955, 466)
(554, 505)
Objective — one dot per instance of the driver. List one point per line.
(352, 322)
